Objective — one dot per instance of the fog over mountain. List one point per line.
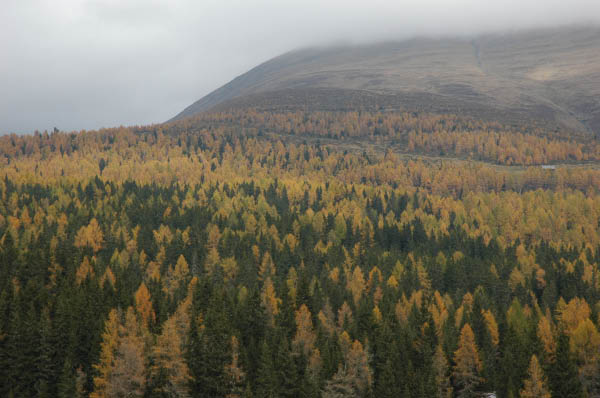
(87, 64)
(548, 76)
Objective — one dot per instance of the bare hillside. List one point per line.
(550, 77)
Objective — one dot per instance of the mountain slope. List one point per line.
(551, 77)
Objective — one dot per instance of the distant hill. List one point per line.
(550, 77)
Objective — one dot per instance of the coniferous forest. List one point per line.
(300, 254)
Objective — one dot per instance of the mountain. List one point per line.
(550, 77)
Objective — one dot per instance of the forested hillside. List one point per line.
(300, 254)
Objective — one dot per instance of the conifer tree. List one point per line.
(266, 382)
(108, 353)
(468, 365)
(211, 348)
(170, 372)
(143, 305)
(288, 379)
(46, 369)
(305, 337)
(356, 360)
(233, 370)
(387, 385)
(66, 386)
(90, 236)
(129, 373)
(535, 385)
(356, 284)
(122, 368)
(340, 386)
(441, 372)
(564, 380)
(270, 301)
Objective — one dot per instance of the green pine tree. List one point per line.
(210, 351)
(66, 385)
(266, 381)
(563, 375)
(286, 369)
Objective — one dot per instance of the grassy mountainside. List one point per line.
(551, 77)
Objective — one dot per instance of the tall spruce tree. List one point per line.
(563, 375)
(211, 348)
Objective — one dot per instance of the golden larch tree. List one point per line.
(357, 364)
(129, 373)
(84, 271)
(327, 319)
(269, 301)
(535, 385)
(492, 327)
(305, 337)
(143, 305)
(122, 367)
(344, 315)
(267, 267)
(441, 371)
(90, 236)
(356, 284)
(468, 364)
(546, 336)
(108, 353)
(169, 364)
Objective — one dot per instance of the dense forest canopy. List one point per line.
(300, 254)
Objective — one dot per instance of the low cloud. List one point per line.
(84, 64)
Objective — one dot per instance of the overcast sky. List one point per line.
(85, 64)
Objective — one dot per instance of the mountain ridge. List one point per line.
(550, 77)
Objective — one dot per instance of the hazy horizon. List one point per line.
(89, 64)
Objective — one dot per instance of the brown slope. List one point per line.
(551, 77)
